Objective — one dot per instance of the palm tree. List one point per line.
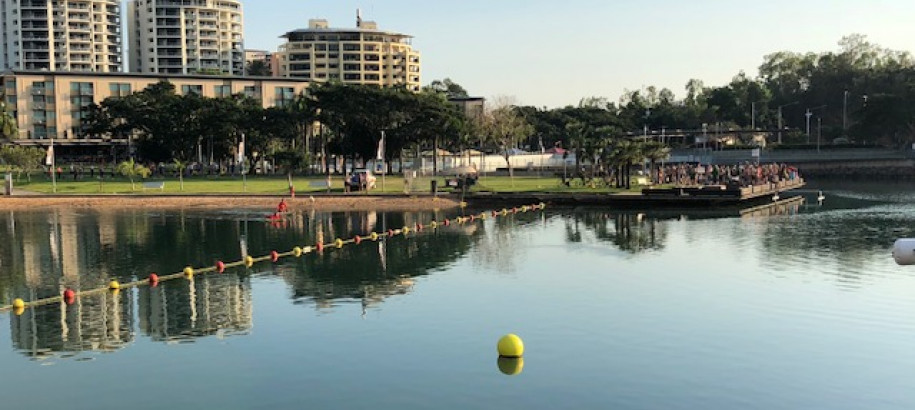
(131, 169)
(180, 166)
(622, 154)
(655, 151)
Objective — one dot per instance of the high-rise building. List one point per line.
(363, 55)
(186, 36)
(71, 35)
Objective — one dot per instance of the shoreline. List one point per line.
(268, 202)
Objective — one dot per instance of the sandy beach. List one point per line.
(321, 203)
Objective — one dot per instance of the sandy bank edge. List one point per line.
(321, 203)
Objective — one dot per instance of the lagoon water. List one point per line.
(797, 308)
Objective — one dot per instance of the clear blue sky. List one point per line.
(553, 53)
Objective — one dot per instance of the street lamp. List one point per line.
(753, 114)
(809, 114)
(780, 118)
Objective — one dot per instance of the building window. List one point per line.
(352, 77)
(222, 91)
(192, 89)
(252, 92)
(284, 96)
(119, 89)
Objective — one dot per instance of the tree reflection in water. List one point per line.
(630, 232)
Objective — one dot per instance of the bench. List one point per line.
(320, 184)
(154, 185)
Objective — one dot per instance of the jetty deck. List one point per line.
(676, 197)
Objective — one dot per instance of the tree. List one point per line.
(258, 68)
(450, 88)
(8, 126)
(22, 159)
(505, 128)
(655, 151)
(180, 166)
(132, 170)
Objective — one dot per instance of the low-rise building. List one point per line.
(53, 104)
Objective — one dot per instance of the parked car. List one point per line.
(360, 179)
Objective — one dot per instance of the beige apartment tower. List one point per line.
(64, 35)
(363, 55)
(186, 37)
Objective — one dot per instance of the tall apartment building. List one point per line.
(363, 55)
(186, 36)
(61, 35)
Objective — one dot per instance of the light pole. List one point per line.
(753, 114)
(819, 131)
(780, 118)
(809, 114)
(845, 113)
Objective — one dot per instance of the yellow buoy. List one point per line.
(405, 230)
(374, 236)
(433, 225)
(510, 366)
(189, 272)
(18, 303)
(249, 261)
(463, 204)
(483, 216)
(114, 285)
(338, 243)
(18, 311)
(542, 206)
(511, 346)
(297, 252)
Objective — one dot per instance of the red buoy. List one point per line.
(473, 218)
(390, 233)
(447, 222)
(153, 280)
(320, 247)
(274, 256)
(495, 214)
(514, 210)
(69, 296)
(357, 240)
(419, 227)
(220, 267)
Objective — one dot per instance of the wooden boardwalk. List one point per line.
(680, 197)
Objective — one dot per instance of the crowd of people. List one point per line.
(745, 174)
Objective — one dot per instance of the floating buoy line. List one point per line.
(69, 296)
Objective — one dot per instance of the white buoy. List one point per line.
(820, 196)
(775, 197)
(904, 251)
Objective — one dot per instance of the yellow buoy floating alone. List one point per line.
(511, 346)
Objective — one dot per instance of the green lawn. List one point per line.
(278, 185)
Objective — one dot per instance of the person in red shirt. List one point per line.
(282, 207)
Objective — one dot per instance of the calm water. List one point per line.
(800, 308)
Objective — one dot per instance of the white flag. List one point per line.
(241, 150)
(380, 155)
(49, 157)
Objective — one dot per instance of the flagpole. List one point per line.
(383, 164)
(244, 173)
(53, 167)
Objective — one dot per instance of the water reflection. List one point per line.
(51, 251)
(101, 323)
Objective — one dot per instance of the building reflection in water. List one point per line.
(50, 251)
(102, 322)
(212, 305)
